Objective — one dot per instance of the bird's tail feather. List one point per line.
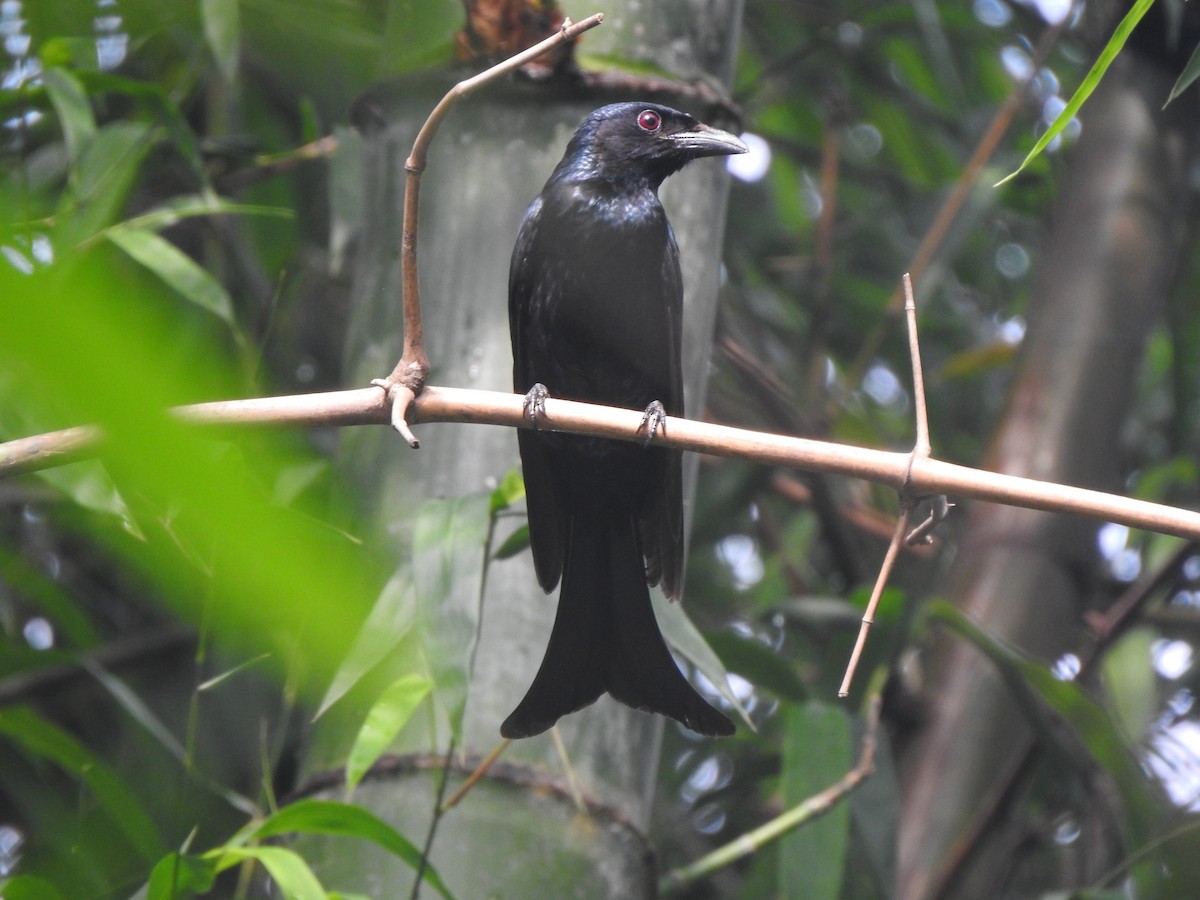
(605, 638)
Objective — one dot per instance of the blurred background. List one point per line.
(200, 201)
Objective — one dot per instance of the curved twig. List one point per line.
(408, 378)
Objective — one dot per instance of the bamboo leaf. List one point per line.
(43, 740)
(73, 108)
(817, 751)
(384, 721)
(1189, 74)
(287, 868)
(390, 620)
(447, 565)
(177, 875)
(682, 634)
(515, 543)
(176, 269)
(223, 30)
(1090, 82)
(340, 819)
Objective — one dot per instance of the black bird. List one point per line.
(594, 304)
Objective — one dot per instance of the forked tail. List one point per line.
(605, 638)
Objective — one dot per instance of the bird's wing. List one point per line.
(661, 525)
(546, 520)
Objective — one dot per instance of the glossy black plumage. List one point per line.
(595, 300)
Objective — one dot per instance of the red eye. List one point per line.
(649, 120)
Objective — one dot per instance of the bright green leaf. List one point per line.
(510, 489)
(287, 868)
(327, 817)
(1090, 82)
(384, 721)
(178, 875)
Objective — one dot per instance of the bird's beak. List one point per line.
(705, 140)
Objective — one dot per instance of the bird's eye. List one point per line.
(649, 120)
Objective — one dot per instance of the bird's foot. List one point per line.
(535, 404)
(654, 418)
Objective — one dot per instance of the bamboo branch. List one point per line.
(408, 378)
(366, 406)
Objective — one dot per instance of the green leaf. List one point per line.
(515, 543)
(290, 872)
(222, 30)
(390, 620)
(755, 661)
(817, 752)
(88, 483)
(1189, 74)
(73, 108)
(1131, 682)
(101, 180)
(384, 721)
(328, 817)
(1049, 702)
(510, 489)
(42, 740)
(28, 887)
(221, 677)
(189, 206)
(135, 707)
(178, 875)
(447, 564)
(295, 480)
(680, 632)
(176, 269)
(1090, 82)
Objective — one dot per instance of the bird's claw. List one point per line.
(654, 418)
(535, 404)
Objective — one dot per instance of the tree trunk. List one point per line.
(520, 834)
(1101, 286)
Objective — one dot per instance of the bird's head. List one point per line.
(643, 140)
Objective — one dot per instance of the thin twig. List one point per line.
(814, 806)
(920, 453)
(366, 406)
(473, 778)
(921, 447)
(433, 823)
(868, 618)
(568, 769)
(408, 378)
